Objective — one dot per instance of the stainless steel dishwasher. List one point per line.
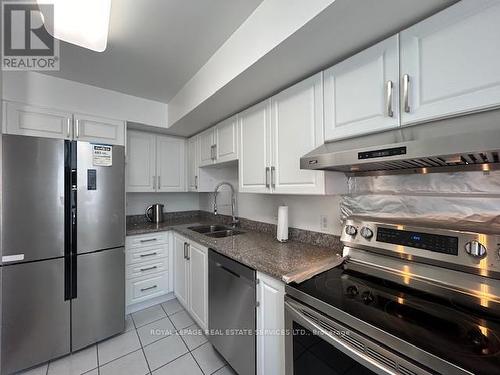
(231, 306)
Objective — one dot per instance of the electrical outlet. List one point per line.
(323, 222)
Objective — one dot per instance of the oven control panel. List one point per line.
(420, 240)
(453, 248)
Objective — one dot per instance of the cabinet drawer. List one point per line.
(146, 254)
(147, 268)
(145, 288)
(146, 240)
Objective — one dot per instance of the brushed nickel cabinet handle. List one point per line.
(159, 183)
(149, 240)
(77, 122)
(196, 182)
(188, 251)
(273, 177)
(148, 268)
(406, 88)
(68, 127)
(147, 255)
(149, 288)
(388, 98)
(185, 250)
(267, 178)
(154, 182)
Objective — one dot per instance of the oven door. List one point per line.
(316, 344)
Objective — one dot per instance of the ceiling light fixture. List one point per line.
(81, 22)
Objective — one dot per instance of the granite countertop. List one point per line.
(289, 262)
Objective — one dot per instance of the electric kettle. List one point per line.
(154, 213)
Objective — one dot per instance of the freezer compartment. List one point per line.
(35, 316)
(98, 311)
(100, 200)
(33, 198)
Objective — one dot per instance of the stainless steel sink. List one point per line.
(224, 233)
(215, 230)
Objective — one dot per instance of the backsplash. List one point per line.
(294, 234)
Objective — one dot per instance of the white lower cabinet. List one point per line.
(270, 326)
(148, 270)
(191, 278)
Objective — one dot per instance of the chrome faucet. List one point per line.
(235, 220)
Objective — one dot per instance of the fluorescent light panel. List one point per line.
(81, 22)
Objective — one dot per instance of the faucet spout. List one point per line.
(235, 220)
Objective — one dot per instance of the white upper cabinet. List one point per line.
(226, 140)
(155, 163)
(254, 161)
(275, 134)
(207, 147)
(296, 129)
(192, 163)
(219, 144)
(23, 119)
(97, 129)
(141, 162)
(451, 62)
(170, 163)
(362, 92)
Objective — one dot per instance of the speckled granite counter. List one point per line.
(291, 261)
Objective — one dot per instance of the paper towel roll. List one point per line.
(282, 231)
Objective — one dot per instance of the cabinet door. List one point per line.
(198, 283)
(226, 140)
(181, 274)
(452, 59)
(99, 130)
(24, 119)
(362, 92)
(254, 168)
(192, 168)
(270, 318)
(297, 128)
(141, 162)
(207, 149)
(170, 163)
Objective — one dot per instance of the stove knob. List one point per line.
(351, 230)
(366, 233)
(475, 249)
(367, 297)
(352, 291)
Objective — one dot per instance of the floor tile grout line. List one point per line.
(120, 357)
(97, 353)
(173, 360)
(220, 368)
(195, 361)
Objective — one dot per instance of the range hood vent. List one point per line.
(467, 143)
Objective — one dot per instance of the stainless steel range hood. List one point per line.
(469, 142)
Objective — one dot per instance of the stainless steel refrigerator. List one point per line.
(62, 248)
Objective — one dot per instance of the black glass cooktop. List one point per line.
(469, 338)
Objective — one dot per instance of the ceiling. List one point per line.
(155, 46)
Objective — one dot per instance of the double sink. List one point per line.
(215, 230)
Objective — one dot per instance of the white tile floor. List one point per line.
(160, 340)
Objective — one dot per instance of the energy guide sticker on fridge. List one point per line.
(102, 155)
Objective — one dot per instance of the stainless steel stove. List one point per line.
(409, 300)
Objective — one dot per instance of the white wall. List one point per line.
(304, 212)
(138, 202)
(47, 91)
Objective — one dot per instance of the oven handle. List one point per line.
(328, 337)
